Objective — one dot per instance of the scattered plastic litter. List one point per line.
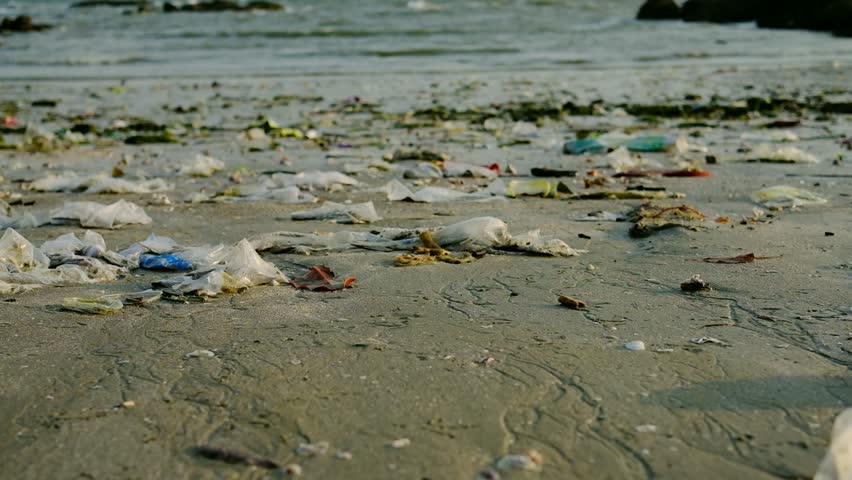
(423, 170)
(98, 306)
(473, 235)
(341, 213)
(397, 191)
(97, 215)
(101, 183)
(321, 279)
(837, 463)
(782, 196)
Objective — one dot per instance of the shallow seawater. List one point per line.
(385, 36)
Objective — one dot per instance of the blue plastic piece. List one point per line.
(168, 261)
(649, 144)
(583, 146)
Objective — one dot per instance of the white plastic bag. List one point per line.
(17, 254)
(97, 215)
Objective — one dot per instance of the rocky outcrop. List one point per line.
(222, 6)
(21, 24)
(721, 11)
(823, 15)
(659, 10)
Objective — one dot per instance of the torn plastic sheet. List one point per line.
(457, 169)
(321, 279)
(397, 191)
(97, 306)
(341, 213)
(101, 183)
(311, 180)
(622, 161)
(783, 196)
(202, 166)
(17, 254)
(770, 154)
(97, 215)
(472, 235)
(290, 194)
(22, 221)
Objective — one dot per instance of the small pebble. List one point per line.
(400, 443)
(635, 346)
(313, 449)
(200, 354)
(343, 455)
(292, 470)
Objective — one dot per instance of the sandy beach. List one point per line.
(471, 362)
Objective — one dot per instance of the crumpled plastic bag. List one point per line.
(783, 196)
(97, 215)
(68, 247)
(156, 244)
(330, 181)
(202, 166)
(837, 464)
(240, 267)
(24, 220)
(397, 191)
(101, 183)
(290, 194)
(341, 213)
(17, 254)
(423, 170)
(248, 268)
(768, 153)
(119, 185)
(621, 160)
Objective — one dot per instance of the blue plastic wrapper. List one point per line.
(168, 261)
(582, 146)
(649, 144)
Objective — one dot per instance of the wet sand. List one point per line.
(470, 362)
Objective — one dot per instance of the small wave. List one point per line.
(322, 33)
(82, 62)
(433, 52)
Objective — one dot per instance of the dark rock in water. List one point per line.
(143, 4)
(263, 5)
(659, 10)
(21, 24)
(723, 11)
(830, 16)
(222, 6)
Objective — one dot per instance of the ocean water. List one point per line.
(387, 36)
